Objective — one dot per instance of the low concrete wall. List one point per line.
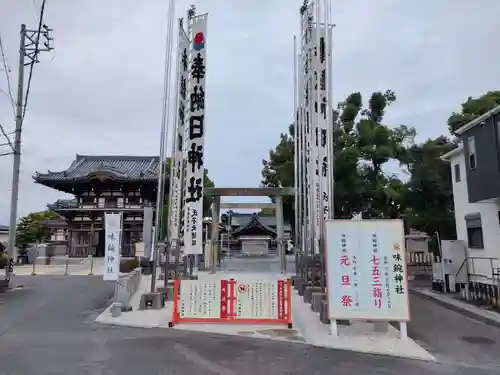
(126, 286)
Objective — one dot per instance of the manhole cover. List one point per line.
(478, 340)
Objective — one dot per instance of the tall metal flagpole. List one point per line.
(296, 181)
(164, 116)
(173, 146)
(329, 115)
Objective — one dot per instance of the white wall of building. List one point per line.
(489, 220)
(4, 237)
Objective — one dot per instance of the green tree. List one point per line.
(31, 229)
(473, 108)
(363, 145)
(428, 199)
(278, 171)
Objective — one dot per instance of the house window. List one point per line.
(474, 231)
(457, 172)
(472, 153)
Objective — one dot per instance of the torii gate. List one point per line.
(277, 193)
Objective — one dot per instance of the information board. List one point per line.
(203, 299)
(258, 299)
(366, 270)
(226, 301)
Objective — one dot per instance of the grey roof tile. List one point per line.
(137, 168)
(241, 219)
(254, 222)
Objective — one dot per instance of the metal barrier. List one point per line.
(61, 265)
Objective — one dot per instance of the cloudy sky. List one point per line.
(100, 91)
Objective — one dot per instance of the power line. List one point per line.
(34, 60)
(7, 76)
(9, 90)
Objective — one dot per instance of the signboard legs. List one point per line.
(280, 233)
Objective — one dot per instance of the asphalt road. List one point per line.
(48, 328)
(453, 338)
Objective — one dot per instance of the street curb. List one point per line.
(457, 309)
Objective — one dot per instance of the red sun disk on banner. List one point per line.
(199, 41)
(242, 288)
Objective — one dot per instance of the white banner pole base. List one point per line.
(403, 331)
(334, 328)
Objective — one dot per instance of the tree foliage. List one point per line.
(428, 199)
(473, 108)
(31, 229)
(364, 147)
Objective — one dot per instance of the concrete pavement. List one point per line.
(48, 328)
(453, 337)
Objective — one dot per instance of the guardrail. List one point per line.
(61, 265)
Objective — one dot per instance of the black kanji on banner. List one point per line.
(194, 189)
(183, 88)
(181, 113)
(322, 50)
(197, 98)
(195, 157)
(323, 137)
(184, 60)
(196, 127)
(198, 68)
(180, 142)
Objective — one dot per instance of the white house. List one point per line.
(4, 234)
(477, 224)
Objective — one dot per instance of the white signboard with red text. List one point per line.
(231, 301)
(366, 270)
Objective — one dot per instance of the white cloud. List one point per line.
(100, 92)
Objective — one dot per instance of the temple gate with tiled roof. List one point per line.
(102, 184)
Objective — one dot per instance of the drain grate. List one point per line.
(481, 340)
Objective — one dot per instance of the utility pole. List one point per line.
(28, 56)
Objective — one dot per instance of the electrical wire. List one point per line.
(34, 59)
(7, 76)
(9, 91)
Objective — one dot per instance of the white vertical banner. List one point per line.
(316, 201)
(306, 104)
(323, 126)
(195, 153)
(113, 233)
(178, 166)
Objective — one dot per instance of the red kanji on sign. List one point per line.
(346, 301)
(377, 292)
(378, 303)
(224, 291)
(346, 280)
(344, 260)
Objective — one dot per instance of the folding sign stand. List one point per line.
(230, 301)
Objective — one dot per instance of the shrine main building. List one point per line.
(100, 184)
